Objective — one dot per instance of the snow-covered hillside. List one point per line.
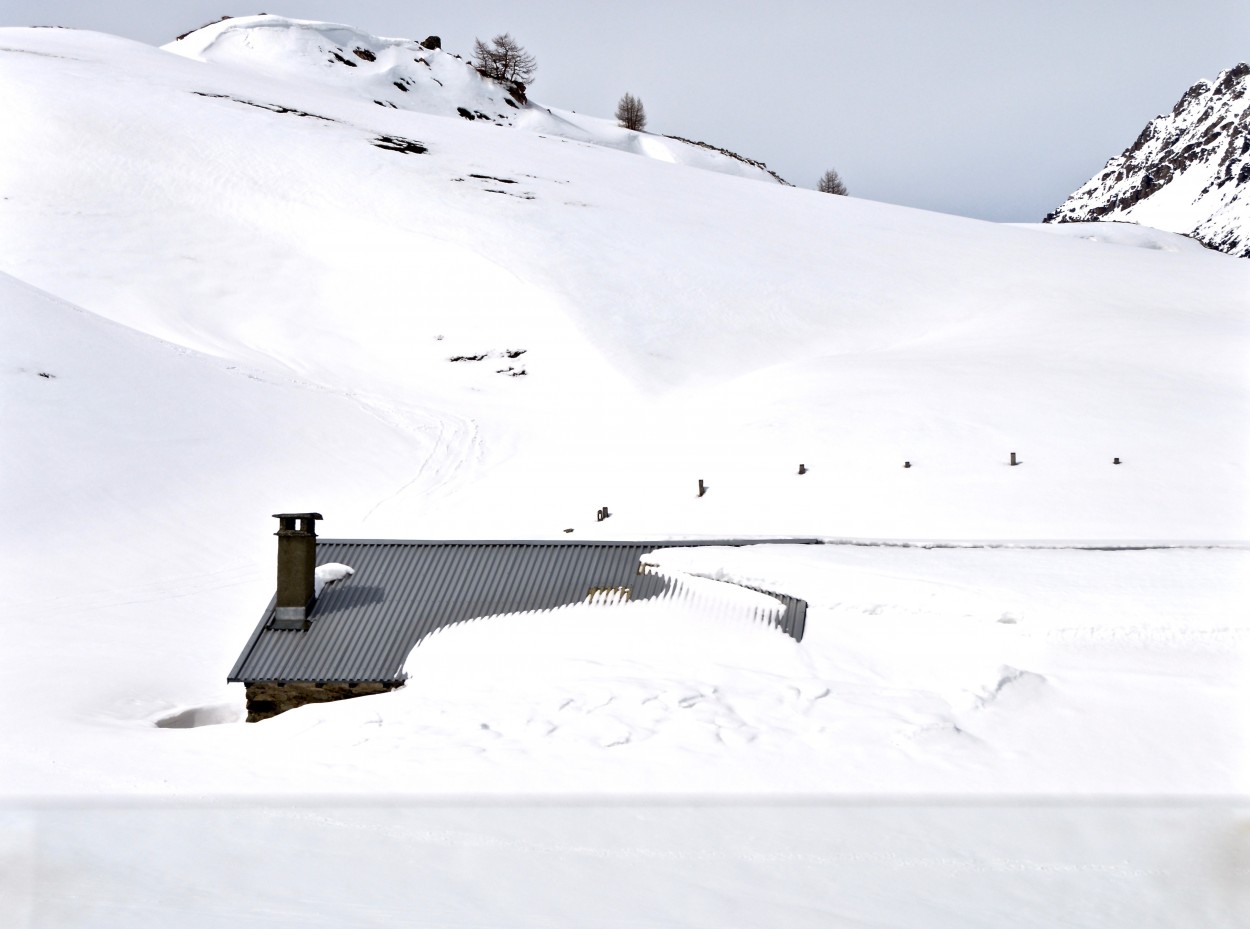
(1188, 171)
(232, 284)
(771, 326)
(419, 76)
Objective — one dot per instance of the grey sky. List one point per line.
(996, 110)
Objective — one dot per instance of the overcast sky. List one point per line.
(984, 108)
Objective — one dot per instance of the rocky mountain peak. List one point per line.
(1187, 172)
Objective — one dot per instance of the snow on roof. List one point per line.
(365, 624)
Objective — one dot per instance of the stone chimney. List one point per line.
(297, 565)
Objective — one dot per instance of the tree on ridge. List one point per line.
(630, 113)
(504, 59)
(831, 183)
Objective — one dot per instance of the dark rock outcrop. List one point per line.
(1188, 171)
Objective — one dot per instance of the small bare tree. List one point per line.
(831, 183)
(504, 59)
(630, 113)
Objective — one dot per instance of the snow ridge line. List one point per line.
(1094, 546)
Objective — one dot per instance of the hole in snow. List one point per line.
(198, 716)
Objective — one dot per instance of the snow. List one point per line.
(1021, 689)
(402, 74)
(651, 863)
(328, 574)
(1114, 232)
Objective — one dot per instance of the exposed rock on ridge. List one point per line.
(1188, 171)
(420, 77)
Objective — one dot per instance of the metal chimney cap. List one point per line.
(287, 523)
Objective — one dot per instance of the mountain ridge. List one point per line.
(1188, 171)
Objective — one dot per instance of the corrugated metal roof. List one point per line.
(363, 627)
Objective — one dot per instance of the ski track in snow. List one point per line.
(455, 451)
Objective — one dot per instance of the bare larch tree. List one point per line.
(831, 183)
(630, 113)
(504, 59)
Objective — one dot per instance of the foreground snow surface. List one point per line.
(222, 299)
(648, 864)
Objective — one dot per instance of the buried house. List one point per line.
(331, 633)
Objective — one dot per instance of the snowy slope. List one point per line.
(139, 476)
(772, 326)
(404, 74)
(1187, 172)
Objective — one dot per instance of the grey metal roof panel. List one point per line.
(363, 626)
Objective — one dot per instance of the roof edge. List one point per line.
(657, 543)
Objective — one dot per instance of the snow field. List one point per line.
(622, 862)
(244, 306)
